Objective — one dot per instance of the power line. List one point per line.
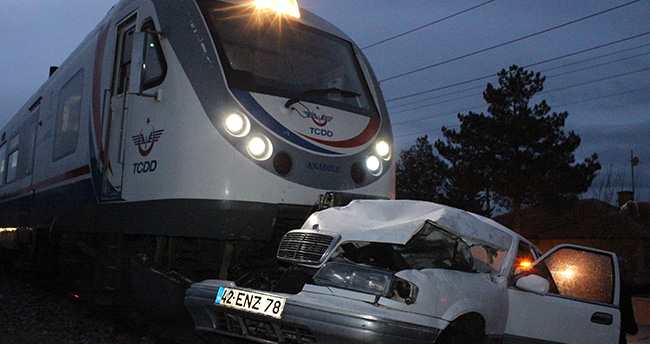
(439, 96)
(588, 100)
(548, 77)
(596, 65)
(454, 113)
(615, 76)
(436, 103)
(598, 57)
(437, 21)
(543, 71)
(512, 41)
(491, 75)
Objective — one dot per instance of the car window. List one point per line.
(579, 274)
(436, 248)
(488, 259)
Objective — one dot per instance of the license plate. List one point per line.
(251, 302)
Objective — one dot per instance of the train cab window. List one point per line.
(66, 135)
(154, 66)
(126, 52)
(3, 163)
(12, 159)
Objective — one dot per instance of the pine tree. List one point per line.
(421, 174)
(519, 154)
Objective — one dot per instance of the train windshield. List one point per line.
(263, 54)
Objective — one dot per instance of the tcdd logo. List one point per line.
(145, 144)
(321, 132)
(319, 120)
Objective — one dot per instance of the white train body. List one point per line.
(105, 143)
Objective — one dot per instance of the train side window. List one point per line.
(3, 163)
(12, 159)
(154, 67)
(68, 117)
(26, 162)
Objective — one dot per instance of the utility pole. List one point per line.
(634, 162)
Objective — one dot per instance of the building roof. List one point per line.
(587, 219)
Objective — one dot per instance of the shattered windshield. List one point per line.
(432, 248)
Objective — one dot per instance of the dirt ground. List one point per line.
(30, 314)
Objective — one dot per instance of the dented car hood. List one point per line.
(396, 222)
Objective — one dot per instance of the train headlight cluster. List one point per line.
(373, 164)
(382, 148)
(237, 125)
(260, 148)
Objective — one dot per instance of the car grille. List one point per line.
(274, 332)
(304, 247)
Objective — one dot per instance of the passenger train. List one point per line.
(192, 134)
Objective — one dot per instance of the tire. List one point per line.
(464, 331)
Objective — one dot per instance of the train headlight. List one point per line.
(382, 148)
(373, 164)
(237, 125)
(260, 148)
(285, 7)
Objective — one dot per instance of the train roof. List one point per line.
(310, 19)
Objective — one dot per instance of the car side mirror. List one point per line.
(534, 284)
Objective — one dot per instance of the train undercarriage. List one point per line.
(149, 273)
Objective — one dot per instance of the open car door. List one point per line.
(571, 295)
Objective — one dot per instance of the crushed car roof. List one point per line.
(396, 222)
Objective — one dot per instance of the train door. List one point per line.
(114, 124)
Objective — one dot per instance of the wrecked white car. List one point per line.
(416, 272)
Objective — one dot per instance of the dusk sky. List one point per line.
(36, 34)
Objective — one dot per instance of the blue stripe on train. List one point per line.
(272, 124)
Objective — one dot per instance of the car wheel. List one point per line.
(469, 330)
(463, 338)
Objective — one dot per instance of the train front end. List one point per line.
(301, 102)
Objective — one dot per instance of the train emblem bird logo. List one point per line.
(144, 143)
(319, 120)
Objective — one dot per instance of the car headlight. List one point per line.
(383, 150)
(237, 125)
(260, 148)
(354, 277)
(367, 280)
(373, 164)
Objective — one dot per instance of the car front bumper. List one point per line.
(300, 324)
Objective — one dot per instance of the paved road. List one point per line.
(642, 338)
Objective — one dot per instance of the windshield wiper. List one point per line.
(324, 91)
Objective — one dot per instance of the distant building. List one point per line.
(593, 223)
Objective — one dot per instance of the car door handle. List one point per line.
(602, 318)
